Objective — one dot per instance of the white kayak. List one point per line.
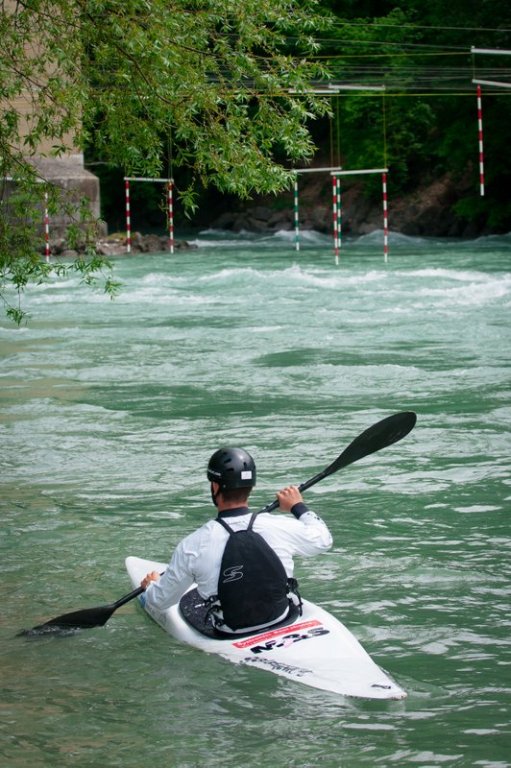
(314, 649)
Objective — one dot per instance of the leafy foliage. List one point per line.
(206, 84)
(21, 263)
(221, 89)
(426, 124)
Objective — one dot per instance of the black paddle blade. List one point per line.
(86, 619)
(69, 622)
(374, 438)
(382, 434)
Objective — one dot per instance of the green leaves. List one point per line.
(134, 72)
(21, 243)
(129, 77)
(201, 73)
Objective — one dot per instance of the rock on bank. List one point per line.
(427, 211)
(116, 245)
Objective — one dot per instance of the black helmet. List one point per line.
(232, 468)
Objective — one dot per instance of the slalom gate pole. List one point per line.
(296, 219)
(385, 219)
(128, 215)
(335, 221)
(339, 216)
(46, 229)
(170, 203)
(480, 139)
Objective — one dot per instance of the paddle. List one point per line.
(380, 435)
(85, 619)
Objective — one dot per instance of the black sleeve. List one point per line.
(299, 509)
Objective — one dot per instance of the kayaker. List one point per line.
(255, 588)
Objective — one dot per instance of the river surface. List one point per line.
(109, 411)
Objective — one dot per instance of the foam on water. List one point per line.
(108, 413)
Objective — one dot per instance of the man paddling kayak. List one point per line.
(247, 578)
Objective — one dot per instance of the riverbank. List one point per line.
(116, 245)
(430, 210)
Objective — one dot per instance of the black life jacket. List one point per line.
(252, 586)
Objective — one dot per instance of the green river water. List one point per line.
(109, 412)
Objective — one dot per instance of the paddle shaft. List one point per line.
(130, 596)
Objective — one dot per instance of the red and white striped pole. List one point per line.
(385, 219)
(46, 228)
(336, 223)
(339, 215)
(296, 217)
(128, 215)
(480, 137)
(170, 202)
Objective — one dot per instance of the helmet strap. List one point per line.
(214, 495)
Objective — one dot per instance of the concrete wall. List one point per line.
(67, 171)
